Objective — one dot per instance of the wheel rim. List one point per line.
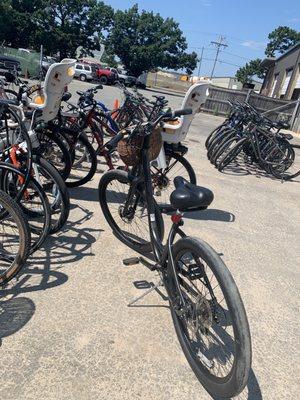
(162, 180)
(207, 328)
(134, 223)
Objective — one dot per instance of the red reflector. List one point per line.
(176, 218)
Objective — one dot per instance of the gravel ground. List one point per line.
(65, 328)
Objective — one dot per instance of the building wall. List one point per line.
(275, 80)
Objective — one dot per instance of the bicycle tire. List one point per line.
(133, 241)
(20, 197)
(232, 154)
(55, 186)
(168, 182)
(219, 141)
(48, 153)
(92, 161)
(235, 318)
(10, 207)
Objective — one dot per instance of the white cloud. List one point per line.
(294, 20)
(206, 3)
(252, 44)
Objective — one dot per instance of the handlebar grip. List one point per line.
(111, 144)
(184, 111)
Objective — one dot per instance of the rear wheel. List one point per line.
(54, 150)
(84, 163)
(82, 78)
(212, 328)
(162, 179)
(57, 192)
(129, 222)
(32, 200)
(14, 238)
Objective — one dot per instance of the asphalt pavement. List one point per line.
(67, 333)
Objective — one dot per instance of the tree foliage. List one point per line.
(145, 41)
(16, 23)
(253, 68)
(60, 26)
(64, 25)
(281, 39)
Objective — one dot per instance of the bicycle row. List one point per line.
(249, 137)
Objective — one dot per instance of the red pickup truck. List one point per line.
(104, 75)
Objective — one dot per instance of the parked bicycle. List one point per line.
(206, 307)
(259, 139)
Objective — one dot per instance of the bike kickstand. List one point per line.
(133, 301)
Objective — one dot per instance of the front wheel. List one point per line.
(125, 210)
(212, 327)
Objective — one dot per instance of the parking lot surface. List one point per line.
(67, 333)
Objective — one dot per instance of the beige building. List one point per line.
(283, 78)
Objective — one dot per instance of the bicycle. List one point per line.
(214, 337)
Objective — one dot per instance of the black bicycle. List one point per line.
(206, 307)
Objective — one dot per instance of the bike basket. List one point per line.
(130, 149)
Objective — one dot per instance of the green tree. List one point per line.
(253, 68)
(281, 39)
(17, 26)
(145, 41)
(64, 25)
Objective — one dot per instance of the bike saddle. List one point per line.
(66, 96)
(189, 197)
(159, 97)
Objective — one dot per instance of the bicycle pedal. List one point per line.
(131, 261)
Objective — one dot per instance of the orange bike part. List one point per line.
(115, 107)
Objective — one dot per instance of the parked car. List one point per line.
(142, 80)
(9, 64)
(123, 77)
(46, 62)
(106, 76)
(83, 72)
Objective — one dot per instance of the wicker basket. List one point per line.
(130, 149)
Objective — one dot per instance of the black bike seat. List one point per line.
(9, 102)
(159, 97)
(189, 197)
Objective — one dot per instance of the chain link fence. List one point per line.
(30, 61)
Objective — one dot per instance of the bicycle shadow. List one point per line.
(44, 268)
(14, 315)
(211, 214)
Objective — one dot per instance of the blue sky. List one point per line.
(245, 24)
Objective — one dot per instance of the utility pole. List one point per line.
(200, 62)
(218, 45)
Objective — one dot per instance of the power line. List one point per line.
(218, 45)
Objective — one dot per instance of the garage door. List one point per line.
(286, 81)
